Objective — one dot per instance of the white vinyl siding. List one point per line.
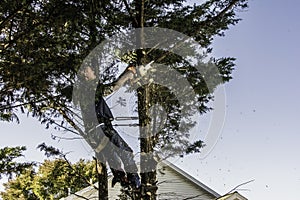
(173, 183)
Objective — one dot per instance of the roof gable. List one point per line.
(189, 179)
(232, 196)
(173, 183)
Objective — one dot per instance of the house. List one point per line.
(232, 196)
(173, 183)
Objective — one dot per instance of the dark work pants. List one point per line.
(115, 152)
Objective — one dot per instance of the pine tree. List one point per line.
(43, 44)
(9, 167)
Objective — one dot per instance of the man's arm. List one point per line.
(128, 74)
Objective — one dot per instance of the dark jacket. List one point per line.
(103, 112)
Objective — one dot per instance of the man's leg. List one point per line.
(118, 173)
(116, 151)
(126, 155)
(106, 152)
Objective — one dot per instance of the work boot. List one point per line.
(120, 177)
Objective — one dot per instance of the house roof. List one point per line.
(192, 179)
(232, 196)
(91, 194)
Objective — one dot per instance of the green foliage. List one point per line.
(43, 44)
(21, 187)
(8, 164)
(52, 180)
(49, 150)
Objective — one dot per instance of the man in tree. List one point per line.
(42, 44)
(115, 151)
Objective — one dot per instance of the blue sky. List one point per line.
(261, 133)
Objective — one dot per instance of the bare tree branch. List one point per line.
(235, 188)
(66, 138)
(79, 174)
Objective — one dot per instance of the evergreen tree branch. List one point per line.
(26, 103)
(134, 21)
(70, 121)
(221, 14)
(14, 13)
(226, 9)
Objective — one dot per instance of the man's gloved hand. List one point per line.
(144, 69)
(132, 69)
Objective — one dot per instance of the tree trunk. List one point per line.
(148, 164)
(101, 167)
(102, 181)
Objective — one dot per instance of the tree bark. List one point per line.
(102, 181)
(148, 165)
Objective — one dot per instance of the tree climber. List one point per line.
(108, 146)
